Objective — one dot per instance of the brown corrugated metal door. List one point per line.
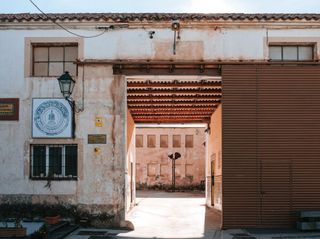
(289, 132)
(275, 117)
(271, 144)
(240, 167)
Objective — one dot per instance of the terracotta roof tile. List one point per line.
(127, 17)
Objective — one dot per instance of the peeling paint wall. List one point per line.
(215, 154)
(154, 168)
(101, 183)
(100, 187)
(222, 43)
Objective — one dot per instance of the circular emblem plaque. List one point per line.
(51, 117)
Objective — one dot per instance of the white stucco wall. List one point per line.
(102, 175)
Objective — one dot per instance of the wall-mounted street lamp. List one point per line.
(66, 84)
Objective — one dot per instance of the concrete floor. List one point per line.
(165, 215)
(172, 215)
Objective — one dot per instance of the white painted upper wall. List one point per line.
(195, 44)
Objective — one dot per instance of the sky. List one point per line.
(163, 6)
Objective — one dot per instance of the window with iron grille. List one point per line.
(54, 59)
(291, 53)
(54, 161)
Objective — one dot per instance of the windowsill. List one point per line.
(74, 178)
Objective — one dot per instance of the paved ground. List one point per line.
(171, 215)
(181, 215)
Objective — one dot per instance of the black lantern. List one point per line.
(66, 84)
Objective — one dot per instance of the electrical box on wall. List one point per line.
(99, 121)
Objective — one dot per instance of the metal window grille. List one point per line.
(54, 161)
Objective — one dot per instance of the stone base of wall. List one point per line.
(41, 206)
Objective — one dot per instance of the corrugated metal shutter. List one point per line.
(240, 167)
(275, 192)
(275, 98)
(289, 128)
(271, 144)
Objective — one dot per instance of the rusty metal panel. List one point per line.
(271, 135)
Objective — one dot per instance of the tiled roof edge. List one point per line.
(128, 17)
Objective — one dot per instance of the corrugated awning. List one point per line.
(173, 100)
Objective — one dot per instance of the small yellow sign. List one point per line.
(99, 121)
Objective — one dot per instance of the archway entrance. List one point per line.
(162, 93)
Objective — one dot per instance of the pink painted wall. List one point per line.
(215, 154)
(130, 163)
(155, 168)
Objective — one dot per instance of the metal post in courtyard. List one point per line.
(174, 157)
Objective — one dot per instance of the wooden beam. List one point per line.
(174, 91)
(166, 68)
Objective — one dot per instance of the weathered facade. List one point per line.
(155, 168)
(263, 126)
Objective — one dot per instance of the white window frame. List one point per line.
(297, 45)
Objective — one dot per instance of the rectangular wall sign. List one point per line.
(97, 139)
(9, 109)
